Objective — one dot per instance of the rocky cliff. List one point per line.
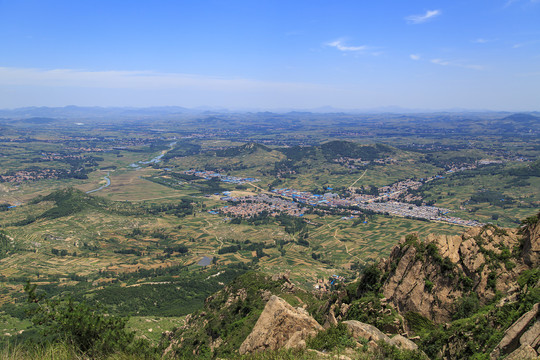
(427, 277)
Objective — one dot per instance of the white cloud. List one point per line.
(510, 2)
(418, 19)
(128, 80)
(440, 62)
(456, 64)
(60, 87)
(338, 44)
(414, 57)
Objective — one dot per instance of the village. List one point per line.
(207, 175)
(394, 200)
(296, 203)
(38, 174)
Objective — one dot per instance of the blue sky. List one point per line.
(272, 54)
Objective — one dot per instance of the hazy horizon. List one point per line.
(436, 56)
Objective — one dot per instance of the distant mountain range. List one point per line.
(123, 112)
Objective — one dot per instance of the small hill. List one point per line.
(68, 202)
(521, 117)
(37, 121)
(249, 158)
(519, 123)
(526, 170)
(246, 149)
(335, 149)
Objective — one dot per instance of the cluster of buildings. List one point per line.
(290, 201)
(33, 175)
(404, 209)
(222, 177)
(353, 163)
(55, 156)
(393, 191)
(251, 206)
(306, 197)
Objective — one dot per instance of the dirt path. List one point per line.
(217, 239)
(361, 176)
(336, 230)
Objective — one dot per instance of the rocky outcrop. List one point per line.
(524, 352)
(370, 333)
(403, 343)
(280, 325)
(531, 244)
(427, 277)
(361, 330)
(522, 338)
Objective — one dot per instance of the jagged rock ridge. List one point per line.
(428, 277)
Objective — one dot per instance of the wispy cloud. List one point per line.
(526, 43)
(130, 80)
(529, 74)
(338, 44)
(483, 41)
(440, 62)
(419, 19)
(460, 64)
(414, 57)
(510, 2)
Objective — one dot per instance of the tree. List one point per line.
(85, 327)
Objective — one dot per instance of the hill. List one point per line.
(338, 148)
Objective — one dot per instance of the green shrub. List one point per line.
(529, 277)
(466, 306)
(389, 352)
(418, 323)
(371, 280)
(84, 328)
(428, 285)
(337, 337)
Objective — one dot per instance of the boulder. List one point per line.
(403, 343)
(280, 325)
(366, 331)
(524, 352)
(512, 336)
(532, 336)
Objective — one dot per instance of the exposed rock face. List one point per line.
(524, 352)
(427, 277)
(373, 335)
(362, 330)
(280, 325)
(522, 338)
(403, 343)
(531, 245)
